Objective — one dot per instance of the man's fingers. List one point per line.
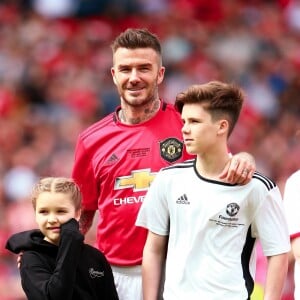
(243, 176)
(230, 169)
(237, 171)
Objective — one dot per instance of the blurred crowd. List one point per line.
(55, 80)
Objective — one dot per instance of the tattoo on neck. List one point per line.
(147, 114)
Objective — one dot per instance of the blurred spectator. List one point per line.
(55, 8)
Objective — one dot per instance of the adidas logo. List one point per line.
(113, 159)
(183, 199)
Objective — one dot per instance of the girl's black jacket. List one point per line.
(72, 270)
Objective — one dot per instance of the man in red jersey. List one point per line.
(117, 158)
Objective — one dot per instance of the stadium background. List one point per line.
(55, 80)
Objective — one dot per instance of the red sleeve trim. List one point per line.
(294, 235)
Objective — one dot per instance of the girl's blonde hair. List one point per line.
(57, 185)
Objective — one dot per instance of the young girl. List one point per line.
(56, 264)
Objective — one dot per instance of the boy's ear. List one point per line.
(223, 126)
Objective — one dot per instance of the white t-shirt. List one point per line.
(212, 228)
(291, 200)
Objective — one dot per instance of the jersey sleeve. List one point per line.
(270, 225)
(83, 174)
(291, 200)
(153, 214)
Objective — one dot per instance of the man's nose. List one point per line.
(134, 76)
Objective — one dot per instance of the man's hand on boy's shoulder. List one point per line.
(239, 169)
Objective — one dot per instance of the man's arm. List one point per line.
(276, 276)
(295, 243)
(239, 169)
(153, 265)
(86, 220)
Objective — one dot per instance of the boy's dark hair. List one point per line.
(218, 98)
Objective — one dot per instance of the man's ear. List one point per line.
(112, 71)
(161, 75)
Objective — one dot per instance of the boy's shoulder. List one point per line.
(187, 164)
(263, 181)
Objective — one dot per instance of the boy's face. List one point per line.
(52, 210)
(199, 131)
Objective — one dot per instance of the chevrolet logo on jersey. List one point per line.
(139, 180)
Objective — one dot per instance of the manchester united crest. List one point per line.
(171, 149)
(232, 209)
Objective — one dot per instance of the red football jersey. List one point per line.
(114, 166)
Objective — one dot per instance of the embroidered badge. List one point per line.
(232, 209)
(171, 149)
